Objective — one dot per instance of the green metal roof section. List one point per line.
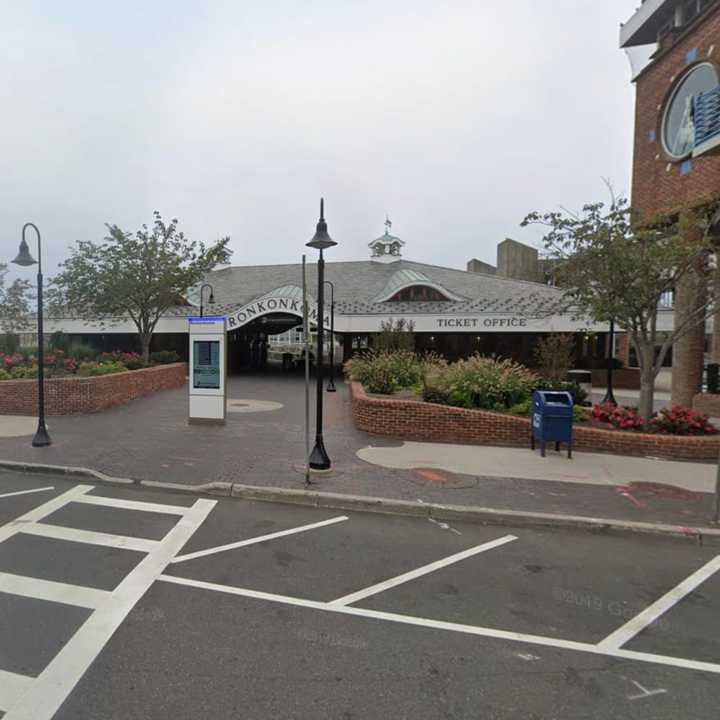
(408, 278)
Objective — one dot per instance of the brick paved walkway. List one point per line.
(149, 439)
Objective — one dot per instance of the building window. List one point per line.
(418, 293)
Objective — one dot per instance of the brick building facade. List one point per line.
(672, 170)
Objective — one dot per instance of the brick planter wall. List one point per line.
(82, 395)
(415, 420)
(623, 378)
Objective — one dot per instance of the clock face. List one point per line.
(678, 128)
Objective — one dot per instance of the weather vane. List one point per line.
(388, 224)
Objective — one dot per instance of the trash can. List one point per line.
(552, 420)
(583, 379)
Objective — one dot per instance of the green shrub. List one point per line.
(164, 357)
(27, 351)
(580, 414)
(9, 343)
(386, 372)
(94, 369)
(481, 382)
(23, 372)
(579, 394)
(523, 408)
(83, 352)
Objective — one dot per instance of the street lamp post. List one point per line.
(211, 299)
(25, 259)
(331, 382)
(609, 395)
(319, 459)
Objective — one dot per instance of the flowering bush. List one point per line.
(385, 372)
(616, 416)
(24, 365)
(679, 420)
(480, 382)
(131, 360)
(11, 361)
(93, 369)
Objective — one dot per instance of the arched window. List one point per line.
(419, 293)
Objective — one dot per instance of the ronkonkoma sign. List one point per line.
(268, 306)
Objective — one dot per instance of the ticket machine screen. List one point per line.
(206, 364)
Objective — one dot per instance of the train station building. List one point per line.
(500, 310)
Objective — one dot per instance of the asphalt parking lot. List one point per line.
(120, 603)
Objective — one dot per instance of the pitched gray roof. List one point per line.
(358, 283)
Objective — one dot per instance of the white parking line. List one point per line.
(49, 690)
(636, 625)
(42, 511)
(12, 686)
(419, 572)
(89, 537)
(255, 540)
(53, 591)
(26, 492)
(131, 504)
(448, 626)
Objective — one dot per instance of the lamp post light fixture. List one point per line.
(609, 395)
(211, 299)
(331, 382)
(319, 459)
(25, 259)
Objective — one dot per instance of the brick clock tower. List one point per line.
(677, 139)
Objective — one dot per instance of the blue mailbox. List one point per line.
(552, 419)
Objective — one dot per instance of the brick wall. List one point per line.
(414, 420)
(81, 395)
(658, 186)
(707, 403)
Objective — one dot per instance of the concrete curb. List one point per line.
(389, 506)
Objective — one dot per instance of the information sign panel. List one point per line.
(206, 364)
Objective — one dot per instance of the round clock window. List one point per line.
(678, 130)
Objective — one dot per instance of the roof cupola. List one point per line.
(387, 248)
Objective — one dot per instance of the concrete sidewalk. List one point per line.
(585, 468)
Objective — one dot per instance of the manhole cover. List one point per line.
(252, 406)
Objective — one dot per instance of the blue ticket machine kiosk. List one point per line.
(552, 419)
(208, 370)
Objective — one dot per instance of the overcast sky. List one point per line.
(455, 117)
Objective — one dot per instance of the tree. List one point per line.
(394, 336)
(14, 305)
(554, 355)
(615, 268)
(137, 276)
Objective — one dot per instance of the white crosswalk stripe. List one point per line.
(28, 698)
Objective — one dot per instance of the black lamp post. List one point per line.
(609, 395)
(211, 299)
(331, 383)
(25, 259)
(319, 459)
